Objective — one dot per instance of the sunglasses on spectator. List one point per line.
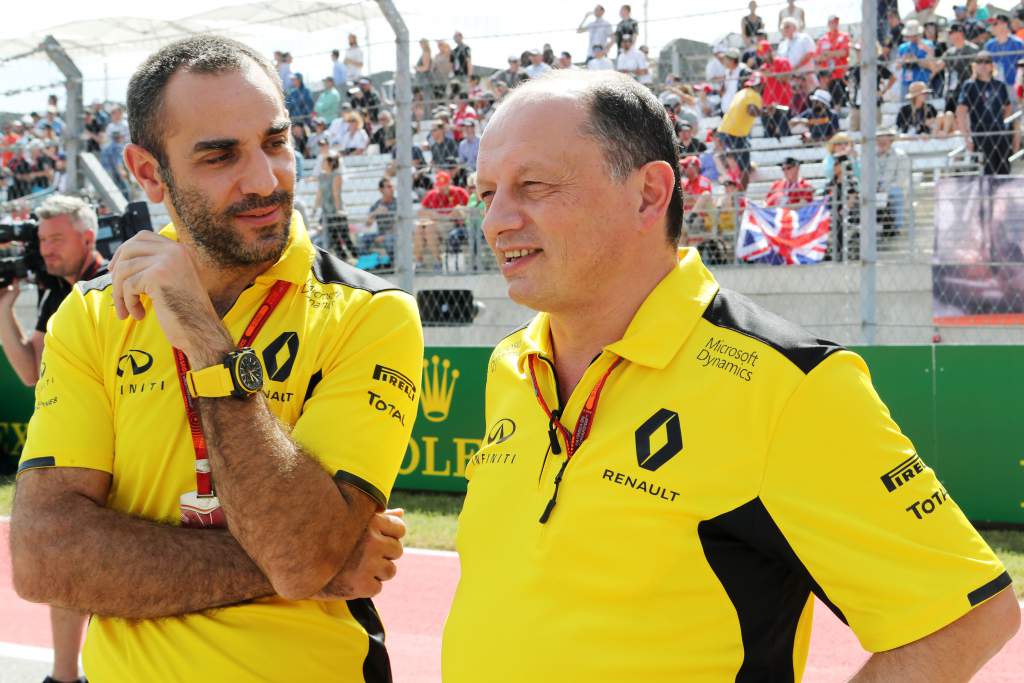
(983, 61)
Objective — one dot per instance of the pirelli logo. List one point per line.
(396, 379)
(902, 473)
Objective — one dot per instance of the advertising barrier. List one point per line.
(958, 404)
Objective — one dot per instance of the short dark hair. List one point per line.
(203, 54)
(382, 183)
(631, 127)
(335, 53)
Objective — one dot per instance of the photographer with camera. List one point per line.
(67, 245)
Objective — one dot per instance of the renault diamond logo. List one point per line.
(135, 361)
(502, 430)
(668, 419)
(279, 356)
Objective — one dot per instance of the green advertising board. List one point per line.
(958, 404)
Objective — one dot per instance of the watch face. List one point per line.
(250, 372)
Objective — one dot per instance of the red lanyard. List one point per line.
(585, 422)
(573, 441)
(204, 484)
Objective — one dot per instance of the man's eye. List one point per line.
(218, 159)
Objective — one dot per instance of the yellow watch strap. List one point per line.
(212, 382)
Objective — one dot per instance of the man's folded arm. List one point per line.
(69, 550)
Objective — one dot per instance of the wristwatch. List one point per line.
(240, 375)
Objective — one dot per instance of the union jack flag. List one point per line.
(780, 235)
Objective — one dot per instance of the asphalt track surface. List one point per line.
(413, 607)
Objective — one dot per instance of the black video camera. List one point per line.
(117, 229)
(21, 258)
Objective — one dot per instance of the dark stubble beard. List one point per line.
(214, 233)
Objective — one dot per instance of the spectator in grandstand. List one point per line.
(627, 26)
(983, 105)
(833, 56)
(99, 113)
(630, 60)
(328, 206)
(821, 120)
(976, 12)
(442, 69)
(1005, 49)
(485, 107)
(598, 31)
(886, 79)
(300, 140)
(424, 70)
(893, 36)
(298, 99)
(354, 58)
(382, 216)
(339, 73)
(915, 56)
(319, 134)
(67, 240)
(348, 135)
(842, 173)
(51, 120)
(751, 25)
(839, 149)
(790, 191)
(799, 49)
(778, 93)
(734, 132)
(462, 60)
(688, 144)
(736, 73)
(444, 151)
(366, 101)
(938, 77)
(791, 11)
(511, 76)
(564, 61)
(956, 64)
(919, 117)
(328, 102)
(469, 145)
(112, 159)
(538, 67)
(750, 55)
(463, 112)
(974, 30)
(9, 139)
(93, 132)
(600, 61)
(386, 134)
(117, 123)
(283, 64)
(698, 204)
(1017, 21)
(893, 181)
(440, 215)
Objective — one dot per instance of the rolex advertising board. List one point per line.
(450, 424)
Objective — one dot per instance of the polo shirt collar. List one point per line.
(660, 326)
(295, 262)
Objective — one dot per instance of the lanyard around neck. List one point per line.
(584, 425)
(204, 483)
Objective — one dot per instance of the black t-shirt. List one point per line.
(626, 27)
(751, 25)
(958, 65)
(461, 57)
(881, 72)
(985, 101)
(52, 291)
(695, 146)
(911, 120)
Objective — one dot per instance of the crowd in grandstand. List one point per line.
(953, 77)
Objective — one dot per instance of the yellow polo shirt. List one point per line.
(736, 466)
(342, 354)
(737, 120)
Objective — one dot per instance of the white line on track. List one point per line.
(428, 551)
(26, 652)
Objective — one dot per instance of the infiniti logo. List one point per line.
(135, 361)
(502, 430)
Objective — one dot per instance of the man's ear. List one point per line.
(146, 170)
(657, 183)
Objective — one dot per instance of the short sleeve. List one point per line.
(359, 417)
(72, 424)
(866, 517)
(966, 93)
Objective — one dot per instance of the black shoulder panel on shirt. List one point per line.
(766, 583)
(101, 281)
(738, 313)
(331, 270)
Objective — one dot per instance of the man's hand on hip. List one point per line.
(373, 560)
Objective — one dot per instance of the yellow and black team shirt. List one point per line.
(736, 467)
(342, 354)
